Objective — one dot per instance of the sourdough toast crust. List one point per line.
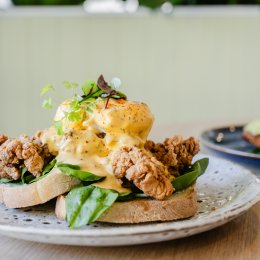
(179, 206)
(49, 187)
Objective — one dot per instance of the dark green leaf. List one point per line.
(35, 179)
(141, 196)
(59, 127)
(125, 196)
(4, 180)
(85, 205)
(130, 196)
(45, 171)
(72, 166)
(119, 95)
(97, 94)
(200, 165)
(185, 180)
(74, 171)
(24, 170)
(28, 178)
(256, 151)
(49, 167)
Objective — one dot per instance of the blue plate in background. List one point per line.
(228, 142)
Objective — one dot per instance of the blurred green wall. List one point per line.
(193, 68)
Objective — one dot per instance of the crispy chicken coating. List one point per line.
(175, 152)
(16, 153)
(145, 171)
(3, 138)
(9, 171)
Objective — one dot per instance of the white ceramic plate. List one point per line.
(224, 192)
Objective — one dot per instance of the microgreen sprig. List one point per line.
(86, 101)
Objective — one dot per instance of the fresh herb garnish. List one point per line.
(59, 127)
(108, 90)
(89, 88)
(74, 171)
(85, 205)
(73, 116)
(47, 103)
(70, 85)
(186, 179)
(81, 104)
(46, 89)
(104, 86)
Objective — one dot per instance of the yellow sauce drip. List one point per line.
(124, 124)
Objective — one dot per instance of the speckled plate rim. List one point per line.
(162, 227)
(154, 228)
(222, 149)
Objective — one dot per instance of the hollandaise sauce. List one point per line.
(90, 142)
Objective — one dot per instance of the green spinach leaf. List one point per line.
(4, 180)
(74, 170)
(24, 170)
(27, 177)
(49, 167)
(125, 196)
(45, 171)
(185, 180)
(85, 205)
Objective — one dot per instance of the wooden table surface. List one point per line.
(238, 239)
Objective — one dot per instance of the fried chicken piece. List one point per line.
(19, 152)
(148, 174)
(175, 153)
(11, 151)
(3, 138)
(9, 172)
(31, 153)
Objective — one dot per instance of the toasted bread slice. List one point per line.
(179, 206)
(45, 189)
